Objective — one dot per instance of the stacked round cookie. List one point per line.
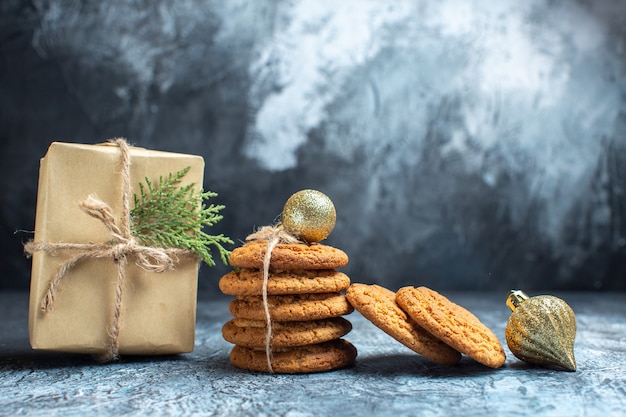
(305, 301)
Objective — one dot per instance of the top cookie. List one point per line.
(453, 324)
(378, 305)
(289, 256)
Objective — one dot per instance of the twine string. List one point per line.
(274, 235)
(123, 244)
(271, 244)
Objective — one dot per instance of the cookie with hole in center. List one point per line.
(297, 307)
(452, 324)
(252, 333)
(288, 256)
(280, 282)
(378, 305)
(321, 357)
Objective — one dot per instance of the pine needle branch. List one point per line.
(170, 216)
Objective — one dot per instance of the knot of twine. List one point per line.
(123, 244)
(274, 235)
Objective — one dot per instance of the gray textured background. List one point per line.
(466, 144)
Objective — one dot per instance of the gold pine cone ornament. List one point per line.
(541, 330)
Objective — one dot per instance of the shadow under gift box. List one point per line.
(158, 310)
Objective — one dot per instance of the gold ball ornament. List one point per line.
(309, 215)
(541, 330)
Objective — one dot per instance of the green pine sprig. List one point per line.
(170, 216)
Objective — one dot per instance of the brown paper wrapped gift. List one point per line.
(157, 311)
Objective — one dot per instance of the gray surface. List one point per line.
(388, 379)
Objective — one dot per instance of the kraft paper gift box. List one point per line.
(157, 310)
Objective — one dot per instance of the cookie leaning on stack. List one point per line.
(305, 302)
(428, 323)
(454, 325)
(378, 305)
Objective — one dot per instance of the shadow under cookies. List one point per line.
(408, 364)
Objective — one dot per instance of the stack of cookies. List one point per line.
(305, 303)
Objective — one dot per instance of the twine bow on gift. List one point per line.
(122, 245)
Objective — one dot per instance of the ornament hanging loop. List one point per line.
(515, 298)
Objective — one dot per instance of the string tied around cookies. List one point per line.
(274, 235)
(119, 248)
(307, 217)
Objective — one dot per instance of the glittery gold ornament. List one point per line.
(541, 330)
(310, 215)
